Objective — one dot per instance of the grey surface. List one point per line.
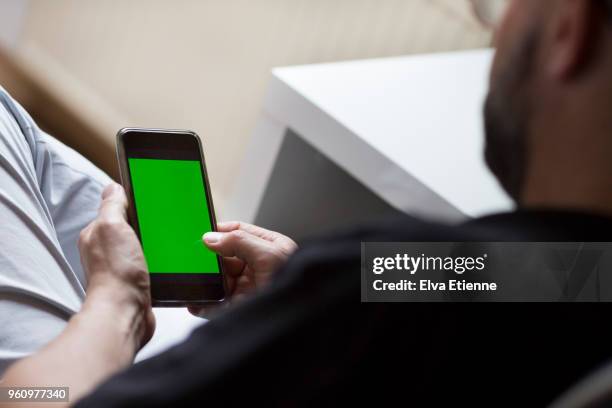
(309, 195)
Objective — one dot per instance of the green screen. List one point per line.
(172, 212)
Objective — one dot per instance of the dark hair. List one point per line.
(608, 6)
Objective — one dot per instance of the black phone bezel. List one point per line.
(170, 289)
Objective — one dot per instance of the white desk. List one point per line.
(408, 130)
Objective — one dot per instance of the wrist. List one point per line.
(118, 309)
(115, 292)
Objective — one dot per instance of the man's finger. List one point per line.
(239, 243)
(114, 203)
(206, 312)
(272, 236)
(250, 228)
(200, 311)
(233, 266)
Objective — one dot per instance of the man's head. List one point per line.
(548, 115)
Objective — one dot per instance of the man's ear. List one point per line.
(571, 37)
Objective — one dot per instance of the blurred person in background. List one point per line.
(296, 333)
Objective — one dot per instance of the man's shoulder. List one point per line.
(519, 225)
(400, 229)
(344, 248)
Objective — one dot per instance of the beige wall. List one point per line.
(204, 64)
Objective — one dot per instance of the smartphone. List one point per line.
(170, 208)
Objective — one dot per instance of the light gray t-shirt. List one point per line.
(48, 193)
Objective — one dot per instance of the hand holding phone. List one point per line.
(115, 265)
(251, 255)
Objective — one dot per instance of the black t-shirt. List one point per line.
(307, 340)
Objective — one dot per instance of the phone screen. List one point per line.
(173, 213)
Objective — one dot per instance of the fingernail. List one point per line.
(212, 237)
